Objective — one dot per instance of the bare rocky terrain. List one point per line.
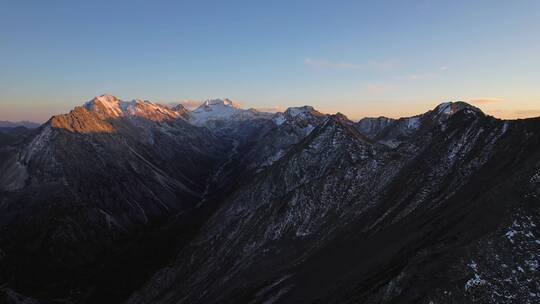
(134, 202)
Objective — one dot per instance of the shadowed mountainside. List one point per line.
(133, 201)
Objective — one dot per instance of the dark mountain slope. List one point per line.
(226, 205)
(257, 144)
(108, 192)
(275, 219)
(340, 219)
(86, 184)
(415, 258)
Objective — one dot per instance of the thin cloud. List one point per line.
(270, 110)
(485, 100)
(414, 77)
(324, 64)
(383, 65)
(514, 114)
(429, 75)
(331, 65)
(376, 87)
(528, 113)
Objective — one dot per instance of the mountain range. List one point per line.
(137, 202)
(11, 124)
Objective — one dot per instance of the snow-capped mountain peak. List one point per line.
(296, 111)
(450, 108)
(212, 110)
(109, 106)
(106, 105)
(302, 119)
(225, 102)
(444, 111)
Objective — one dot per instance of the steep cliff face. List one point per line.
(372, 126)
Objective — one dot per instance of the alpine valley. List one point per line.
(136, 202)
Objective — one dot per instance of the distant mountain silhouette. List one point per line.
(11, 124)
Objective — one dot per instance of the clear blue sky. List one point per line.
(357, 57)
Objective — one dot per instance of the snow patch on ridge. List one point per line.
(413, 122)
(445, 108)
